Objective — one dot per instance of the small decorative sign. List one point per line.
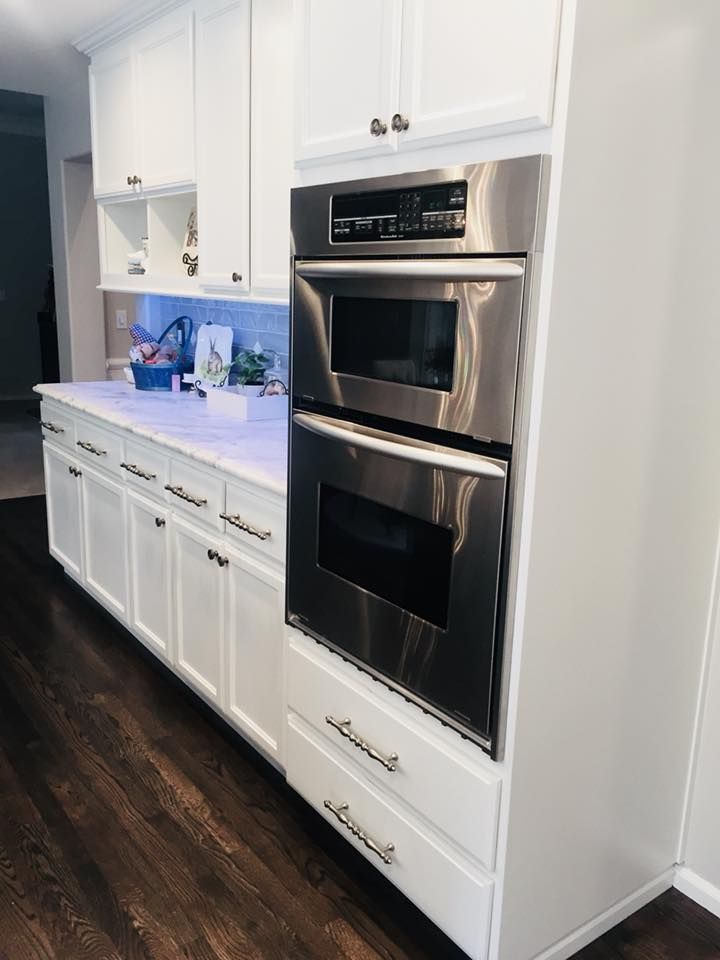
(190, 246)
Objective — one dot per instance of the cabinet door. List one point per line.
(62, 492)
(149, 569)
(272, 146)
(199, 596)
(254, 642)
(223, 136)
(103, 509)
(469, 65)
(347, 62)
(112, 113)
(164, 101)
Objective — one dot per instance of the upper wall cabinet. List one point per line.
(347, 61)
(431, 71)
(113, 120)
(142, 109)
(223, 135)
(165, 101)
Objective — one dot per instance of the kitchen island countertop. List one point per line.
(255, 451)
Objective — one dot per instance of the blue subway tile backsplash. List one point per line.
(266, 323)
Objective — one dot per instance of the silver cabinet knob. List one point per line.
(130, 181)
(236, 277)
(377, 127)
(399, 123)
(212, 554)
(159, 522)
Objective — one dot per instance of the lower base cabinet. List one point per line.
(103, 508)
(199, 580)
(62, 486)
(255, 628)
(150, 600)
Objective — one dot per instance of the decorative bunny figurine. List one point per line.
(214, 360)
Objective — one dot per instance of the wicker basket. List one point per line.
(151, 376)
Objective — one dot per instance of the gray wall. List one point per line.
(24, 258)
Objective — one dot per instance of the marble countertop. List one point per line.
(255, 451)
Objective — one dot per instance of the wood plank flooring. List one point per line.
(135, 826)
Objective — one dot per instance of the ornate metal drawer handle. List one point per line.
(179, 492)
(343, 727)
(355, 830)
(90, 448)
(52, 427)
(238, 522)
(136, 471)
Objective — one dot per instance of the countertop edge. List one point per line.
(263, 484)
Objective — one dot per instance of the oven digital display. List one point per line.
(422, 213)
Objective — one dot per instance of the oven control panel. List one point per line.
(421, 213)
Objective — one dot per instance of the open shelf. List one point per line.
(123, 226)
(163, 220)
(167, 223)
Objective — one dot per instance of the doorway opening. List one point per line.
(28, 330)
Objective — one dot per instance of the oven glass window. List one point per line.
(400, 558)
(403, 341)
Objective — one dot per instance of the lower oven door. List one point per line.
(394, 561)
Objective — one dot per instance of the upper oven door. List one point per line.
(433, 341)
(394, 560)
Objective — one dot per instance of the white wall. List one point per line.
(621, 542)
(67, 132)
(702, 854)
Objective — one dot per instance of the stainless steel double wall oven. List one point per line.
(409, 312)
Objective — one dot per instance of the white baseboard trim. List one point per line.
(599, 925)
(699, 890)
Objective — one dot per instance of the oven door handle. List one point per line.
(451, 270)
(414, 451)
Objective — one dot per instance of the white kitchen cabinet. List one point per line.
(199, 604)
(104, 550)
(444, 70)
(470, 65)
(255, 641)
(112, 115)
(347, 75)
(165, 101)
(223, 137)
(149, 570)
(142, 100)
(271, 145)
(62, 489)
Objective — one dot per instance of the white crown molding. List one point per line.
(135, 15)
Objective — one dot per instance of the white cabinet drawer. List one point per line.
(197, 493)
(458, 901)
(254, 522)
(146, 467)
(458, 797)
(57, 426)
(99, 446)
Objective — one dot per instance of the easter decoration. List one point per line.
(213, 356)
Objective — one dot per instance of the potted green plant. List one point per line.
(249, 367)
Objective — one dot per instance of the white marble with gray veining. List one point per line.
(255, 451)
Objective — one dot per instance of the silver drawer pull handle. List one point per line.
(238, 522)
(136, 471)
(52, 427)
(338, 811)
(343, 727)
(85, 445)
(179, 492)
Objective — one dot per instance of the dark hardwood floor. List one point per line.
(135, 826)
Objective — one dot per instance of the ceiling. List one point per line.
(36, 55)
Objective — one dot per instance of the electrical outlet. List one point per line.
(121, 319)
